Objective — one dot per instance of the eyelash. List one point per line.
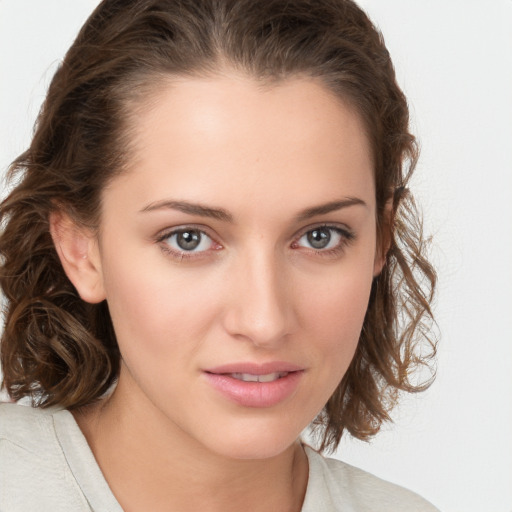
(183, 254)
(346, 237)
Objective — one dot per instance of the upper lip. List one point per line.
(255, 368)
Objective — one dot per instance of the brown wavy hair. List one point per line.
(59, 350)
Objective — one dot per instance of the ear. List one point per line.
(79, 255)
(384, 238)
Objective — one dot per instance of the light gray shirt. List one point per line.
(46, 465)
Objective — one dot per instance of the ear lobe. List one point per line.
(380, 260)
(78, 252)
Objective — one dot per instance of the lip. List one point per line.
(255, 394)
(255, 368)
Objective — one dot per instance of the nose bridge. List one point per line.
(260, 308)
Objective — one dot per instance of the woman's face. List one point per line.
(237, 256)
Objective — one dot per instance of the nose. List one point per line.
(260, 306)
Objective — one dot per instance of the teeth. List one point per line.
(248, 377)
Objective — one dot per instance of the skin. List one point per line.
(254, 291)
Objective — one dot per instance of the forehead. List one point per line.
(194, 136)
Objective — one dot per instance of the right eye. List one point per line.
(188, 240)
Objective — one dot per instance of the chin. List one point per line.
(254, 442)
(250, 451)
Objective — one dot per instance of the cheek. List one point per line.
(156, 309)
(336, 314)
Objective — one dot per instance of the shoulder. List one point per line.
(351, 488)
(34, 474)
(26, 427)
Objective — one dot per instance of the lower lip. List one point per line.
(255, 394)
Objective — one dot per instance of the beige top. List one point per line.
(46, 465)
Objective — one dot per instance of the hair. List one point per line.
(58, 349)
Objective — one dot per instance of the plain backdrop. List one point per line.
(452, 444)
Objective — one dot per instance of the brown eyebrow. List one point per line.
(329, 207)
(191, 208)
(223, 215)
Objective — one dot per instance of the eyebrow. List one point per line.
(190, 208)
(329, 207)
(222, 215)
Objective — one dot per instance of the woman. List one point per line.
(218, 249)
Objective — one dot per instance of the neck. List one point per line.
(151, 464)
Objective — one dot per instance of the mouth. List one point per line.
(256, 386)
(249, 377)
(248, 370)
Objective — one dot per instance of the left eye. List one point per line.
(188, 240)
(321, 238)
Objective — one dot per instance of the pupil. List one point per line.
(188, 240)
(319, 238)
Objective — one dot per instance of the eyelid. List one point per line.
(166, 233)
(340, 228)
(347, 236)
